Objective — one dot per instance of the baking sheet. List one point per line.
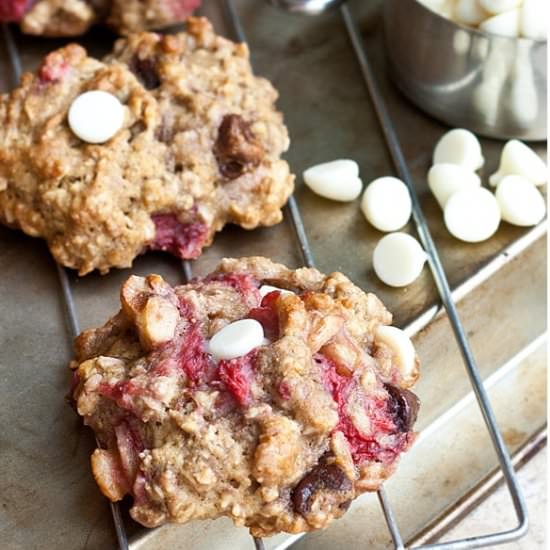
(49, 498)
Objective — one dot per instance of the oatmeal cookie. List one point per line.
(199, 147)
(75, 17)
(280, 438)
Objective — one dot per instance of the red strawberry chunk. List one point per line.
(14, 10)
(180, 9)
(267, 315)
(244, 284)
(122, 393)
(363, 447)
(192, 357)
(184, 240)
(237, 375)
(284, 390)
(53, 69)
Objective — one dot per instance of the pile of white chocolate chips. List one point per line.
(472, 213)
(525, 18)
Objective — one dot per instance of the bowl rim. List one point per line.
(478, 32)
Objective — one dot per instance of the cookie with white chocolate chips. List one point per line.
(223, 397)
(195, 144)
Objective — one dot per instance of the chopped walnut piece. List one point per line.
(150, 303)
(157, 322)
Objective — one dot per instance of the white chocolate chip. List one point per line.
(495, 72)
(433, 4)
(520, 202)
(441, 7)
(533, 19)
(386, 204)
(401, 346)
(462, 42)
(236, 339)
(96, 116)
(398, 259)
(461, 147)
(469, 12)
(266, 289)
(446, 179)
(472, 215)
(337, 180)
(499, 6)
(520, 160)
(522, 101)
(485, 98)
(503, 24)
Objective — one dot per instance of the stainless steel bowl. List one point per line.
(493, 85)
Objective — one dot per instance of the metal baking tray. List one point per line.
(49, 499)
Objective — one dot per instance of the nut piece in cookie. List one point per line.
(198, 418)
(196, 143)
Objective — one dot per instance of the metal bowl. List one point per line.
(492, 85)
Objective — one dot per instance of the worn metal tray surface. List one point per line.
(49, 499)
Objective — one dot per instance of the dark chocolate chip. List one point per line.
(326, 478)
(236, 149)
(403, 405)
(146, 71)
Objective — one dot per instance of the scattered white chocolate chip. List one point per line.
(446, 179)
(236, 339)
(469, 12)
(398, 259)
(96, 116)
(503, 24)
(499, 6)
(386, 204)
(266, 289)
(472, 215)
(337, 180)
(520, 160)
(520, 202)
(533, 19)
(461, 147)
(401, 345)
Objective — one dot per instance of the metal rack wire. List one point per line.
(438, 273)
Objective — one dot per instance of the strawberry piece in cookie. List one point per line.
(14, 10)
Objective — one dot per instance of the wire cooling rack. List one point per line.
(439, 276)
